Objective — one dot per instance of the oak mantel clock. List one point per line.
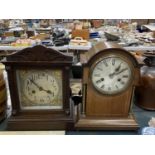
(39, 87)
(110, 74)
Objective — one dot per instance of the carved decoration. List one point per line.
(39, 53)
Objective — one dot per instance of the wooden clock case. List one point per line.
(106, 112)
(39, 57)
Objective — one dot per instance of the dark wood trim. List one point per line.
(39, 58)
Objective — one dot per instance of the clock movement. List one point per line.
(110, 75)
(39, 87)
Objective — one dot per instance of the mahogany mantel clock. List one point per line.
(109, 76)
(39, 87)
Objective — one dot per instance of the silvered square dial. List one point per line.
(40, 89)
(111, 75)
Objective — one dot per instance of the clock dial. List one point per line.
(111, 75)
(40, 89)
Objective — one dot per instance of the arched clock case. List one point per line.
(110, 75)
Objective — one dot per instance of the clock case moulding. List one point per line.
(39, 57)
(106, 112)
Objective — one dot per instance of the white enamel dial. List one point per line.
(111, 75)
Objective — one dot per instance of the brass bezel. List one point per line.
(105, 56)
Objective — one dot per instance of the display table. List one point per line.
(32, 133)
(140, 48)
(148, 131)
(150, 27)
(15, 48)
(67, 47)
(76, 50)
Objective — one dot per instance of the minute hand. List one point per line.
(35, 84)
(41, 88)
(124, 69)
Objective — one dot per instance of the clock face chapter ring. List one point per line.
(40, 89)
(111, 74)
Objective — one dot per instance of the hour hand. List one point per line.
(124, 69)
(48, 91)
(118, 68)
(115, 71)
(40, 88)
(118, 72)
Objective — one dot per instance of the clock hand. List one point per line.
(40, 88)
(47, 91)
(124, 69)
(116, 73)
(116, 70)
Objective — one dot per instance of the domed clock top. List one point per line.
(110, 75)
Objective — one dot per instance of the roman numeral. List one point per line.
(109, 88)
(113, 62)
(99, 68)
(35, 98)
(48, 98)
(32, 78)
(98, 81)
(28, 82)
(116, 86)
(125, 76)
(102, 86)
(28, 88)
(122, 82)
(41, 100)
(97, 75)
(52, 81)
(39, 76)
(105, 63)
